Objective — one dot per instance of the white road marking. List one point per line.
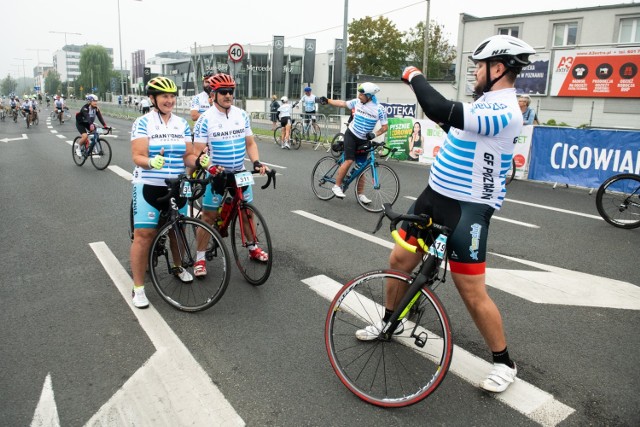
(554, 209)
(119, 171)
(499, 218)
(53, 131)
(268, 164)
(46, 414)
(171, 388)
(529, 400)
(61, 136)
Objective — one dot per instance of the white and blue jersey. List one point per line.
(308, 103)
(365, 117)
(174, 137)
(225, 134)
(472, 163)
(200, 102)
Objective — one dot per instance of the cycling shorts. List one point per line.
(284, 121)
(146, 208)
(81, 128)
(467, 244)
(351, 142)
(211, 200)
(310, 115)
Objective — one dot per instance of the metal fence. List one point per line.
(329, 124)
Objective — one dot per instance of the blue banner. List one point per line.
(583, 157)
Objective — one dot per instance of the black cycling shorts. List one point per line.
(467, 244)
(351, 142)
(284, 121)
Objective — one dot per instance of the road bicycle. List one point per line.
(3, 114)
(309, 128)
(176, 245)
(61, 115)
(99, 149)
(242, 221)
(35, 120)
(618, 200)
(411, 355)
(295, 138)
(378, 183)
(337, 146)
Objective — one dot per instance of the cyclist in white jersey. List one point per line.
(368, 112)
(161, 148)
(284, 113)
(226, 132)
(466, 185)
(308, 106)
(200, 103)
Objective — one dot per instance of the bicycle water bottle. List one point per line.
(224, 210)
(439, 246)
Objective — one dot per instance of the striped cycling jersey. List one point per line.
(174, 137)
(200, 102)
(472, 163)
(225, 134)
(365, 117)
(308, 103)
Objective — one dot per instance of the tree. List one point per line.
(52, 83)
(95, 69)
(376, 47)
(8, 85)
(440, 55)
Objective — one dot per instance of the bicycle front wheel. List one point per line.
(323, 177)
(101, 154)
(295, 138)
(377, 192)
(176, 245)
(248, 227)
(618, 200)
(388, 373)
(78, 160)
(316, 132)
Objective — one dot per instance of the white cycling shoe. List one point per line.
(500, 378)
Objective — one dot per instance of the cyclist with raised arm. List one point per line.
(368, 112)
(466, 186)
(308, 107)
(160, 148)
(85, 119)
(225, 131)
(201, 102)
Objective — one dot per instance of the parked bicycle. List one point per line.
(309, 128)
(295, 138)
(411, 355)
(618, 200)
(376, 184)
(98, 150)
(177, 239)
(242, 221)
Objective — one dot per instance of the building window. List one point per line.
(509, 31)
(629, 32)
(565, 34)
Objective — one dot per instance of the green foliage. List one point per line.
(95, 70)
(377, 47)
(552, 122)
(8, 85)
(52, 83)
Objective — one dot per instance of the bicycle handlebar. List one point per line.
(173, 185)
(423, 221)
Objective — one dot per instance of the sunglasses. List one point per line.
(226, 91)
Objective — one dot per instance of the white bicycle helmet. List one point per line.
(509, 50)
(284, 99)
(92, 97)
(368, 88)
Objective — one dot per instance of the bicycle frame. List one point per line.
(358, 168)
(236, 210)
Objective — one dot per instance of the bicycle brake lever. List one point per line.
(382, 215)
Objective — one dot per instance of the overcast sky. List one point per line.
(168, 25)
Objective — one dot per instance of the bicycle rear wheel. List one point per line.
(618, 200)
(78, 160)
(101, 154)
(179, 241)
(337, 145)
(244, 233)
(277, 135)
(386, 191)
(323, 177)
(394, 373)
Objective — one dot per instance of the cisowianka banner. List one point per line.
(583, 157)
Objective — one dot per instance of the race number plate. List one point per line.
(244, 178)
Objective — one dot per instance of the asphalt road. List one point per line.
(263, 348)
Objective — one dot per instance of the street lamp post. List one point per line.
(120, 47)
(24, 75)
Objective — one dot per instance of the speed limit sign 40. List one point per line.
(236, 52)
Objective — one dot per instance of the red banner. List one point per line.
(606, 73)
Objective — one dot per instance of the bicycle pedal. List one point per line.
(420, 339)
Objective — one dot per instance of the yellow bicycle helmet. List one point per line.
(159, 85)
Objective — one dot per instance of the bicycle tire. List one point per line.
(101, 154)
(317, 132)
(337, 138)
(393, 373)
(277, 135)
(295, 139)
(387, 191)
(254, 272)
(323, 177)
(511, 173)
(203, 292)
(77, 160)
(618, 200)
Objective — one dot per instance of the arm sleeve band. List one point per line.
(435, 106)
